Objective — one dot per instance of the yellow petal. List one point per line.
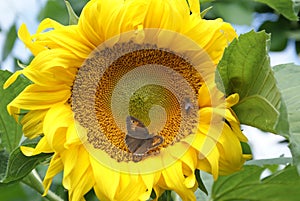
(58, 117)
(232, 100)
(149, 180)
(133, 190)
(107, 180)
(174, 179)
(54, 168)
(24, 35)
(195, 6)
(84, 185)
(80, 166)
(33, 123)
(41, 147)
(72, 138)
(48, 24)
(35, 97)
(12, 79)
(68, 39)
(213, 159)
(189, 164)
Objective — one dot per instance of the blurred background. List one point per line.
(245, 15)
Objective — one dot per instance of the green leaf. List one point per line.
(243, 11)
(201, 185)
(245, 69)
(166, 196)
(3, 162)
(10, 130)
(270, 161)
(73, 18)
(287, 76)
(55, 10)
(247, 185)
(246, 148)
(285, 7)
(278, 30)
(208, 180)
(203, 13)
(10, 39)
(20, 165)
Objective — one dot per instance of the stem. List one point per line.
(34, 181)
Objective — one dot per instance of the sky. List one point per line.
(264, 145)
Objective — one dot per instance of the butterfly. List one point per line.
(138, 140)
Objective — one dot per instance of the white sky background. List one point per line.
(264, 145)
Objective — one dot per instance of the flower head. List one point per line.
(126, 99)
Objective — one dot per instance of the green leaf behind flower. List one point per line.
(73, 18)
(10, 130)
(13, 164)
(11, 37)
(248, 185)
(288, 8)
(245, 69)
(19, 165)
(287, 76)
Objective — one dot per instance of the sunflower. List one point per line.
(126, 99)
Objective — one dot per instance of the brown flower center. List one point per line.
(154, 86)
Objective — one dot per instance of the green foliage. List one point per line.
(19, 192)
(245, 69)
(270, 161)
(285, 7)
(248, 185)
(11, 37)
(278, 30)
(10, 131)
(19, 165)
(201, 185)
(243, 11)
(282, 29)
(73, 18)
(13, 165)
(57, 10)
(287, 76)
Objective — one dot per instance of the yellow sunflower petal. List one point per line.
(85, 184)
(131, 188)
(35, 97)
(174, 180)
(72, 138)
(149, 180)
(24, 35)
(48, 24)
(58, 117)
(33, 123)
(75, 176)
(195, 6)
(158, 15)
(189, 161)
(55, 167)
(12, 79)
(41, 147)
(232, 100)
(107, 180)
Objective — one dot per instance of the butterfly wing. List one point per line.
(149, 144)
(132, 143)
(136, 129)
(144, 147)
(138, 140)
